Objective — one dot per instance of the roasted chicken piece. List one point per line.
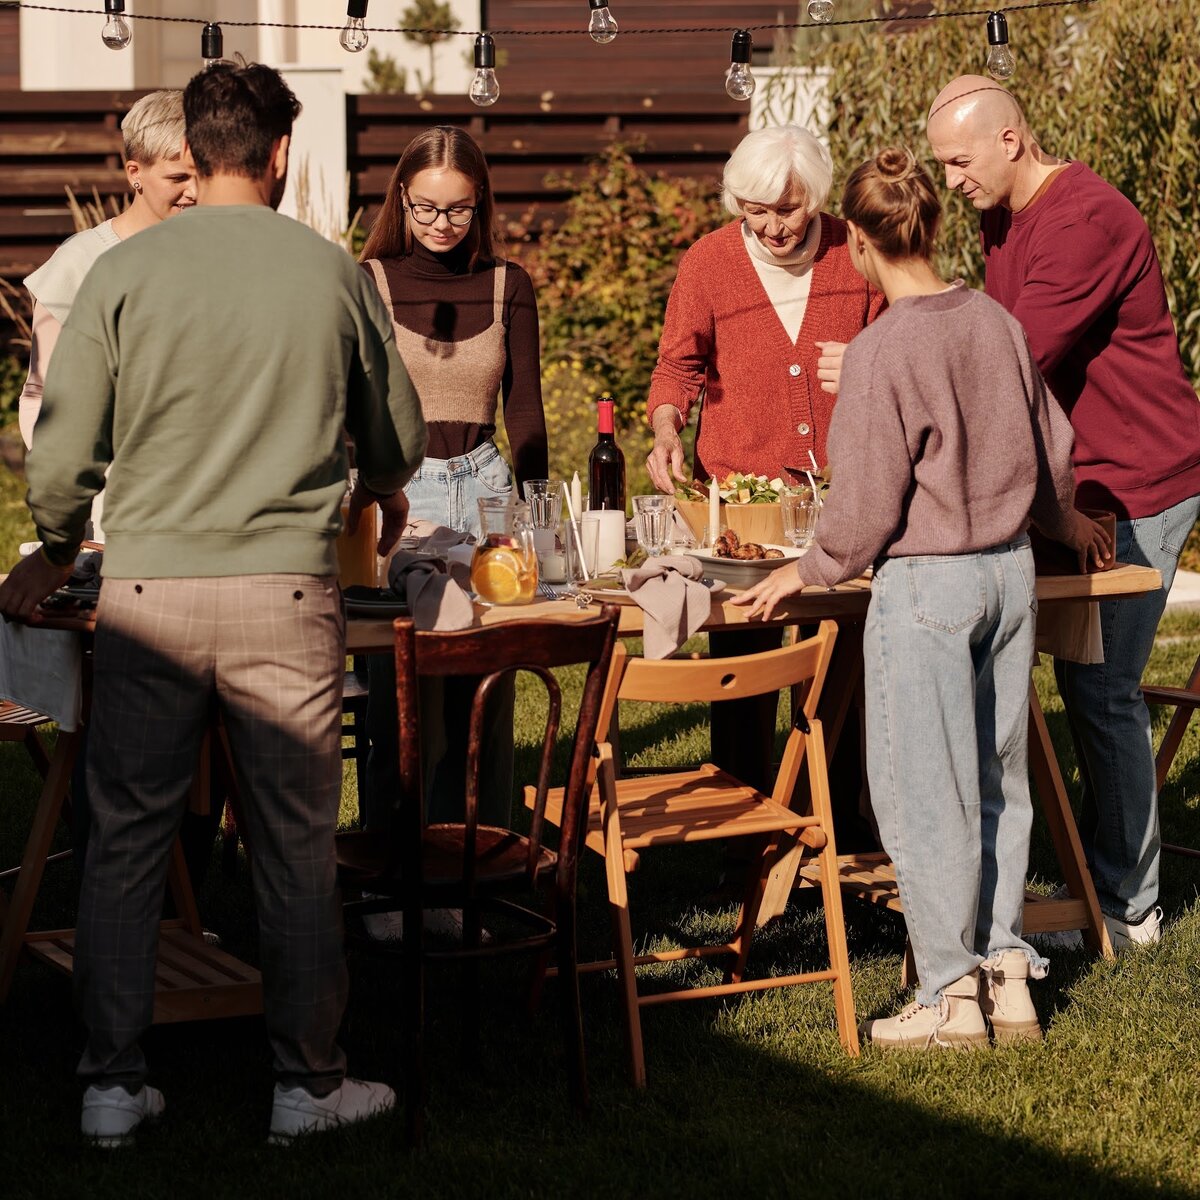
(773, 554)
(751, 550)
(726, 544)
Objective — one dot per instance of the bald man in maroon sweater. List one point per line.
(1072, 259)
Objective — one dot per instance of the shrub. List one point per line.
(602, 280)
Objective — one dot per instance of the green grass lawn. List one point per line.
(753, 1097)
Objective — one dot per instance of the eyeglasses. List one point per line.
(427, 214)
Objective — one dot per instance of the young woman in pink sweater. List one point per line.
(943, 444)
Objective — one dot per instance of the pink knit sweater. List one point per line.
(763, 407)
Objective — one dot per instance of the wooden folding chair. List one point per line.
(627, 816)
(1184, 701)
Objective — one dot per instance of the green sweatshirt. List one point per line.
(213, 361)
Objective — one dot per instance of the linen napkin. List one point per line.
(1070, 630)
(669, 591)
(432, 587)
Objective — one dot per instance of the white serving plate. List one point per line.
(746, 572)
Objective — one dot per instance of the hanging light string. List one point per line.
(577, 31)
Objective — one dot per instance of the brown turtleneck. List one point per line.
(439, 297)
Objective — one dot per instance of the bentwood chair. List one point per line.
(629, 816)
(530, 887)
(1184, 701)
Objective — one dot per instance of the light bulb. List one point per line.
(602, 25)
(354, 34)
(116, 33)
(212, 44)
(484, 89)
(820, 10)
(1000, 61)
(739, 83)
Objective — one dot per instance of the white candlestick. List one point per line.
(576, 496)
(714, 512)
(610, 540)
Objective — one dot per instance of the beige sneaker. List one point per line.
(955, 1022)
(1004, 998)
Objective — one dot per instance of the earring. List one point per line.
(137, 187)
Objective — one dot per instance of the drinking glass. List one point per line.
(581, 535)
(799, 512)
(654, 518)
(544, 497)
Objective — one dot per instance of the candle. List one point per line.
(576, 497)
(714, 512)
(610, 536)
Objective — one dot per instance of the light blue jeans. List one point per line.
(444, 490)
(947, 653)
(1110, 724)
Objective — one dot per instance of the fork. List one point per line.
(546, 591)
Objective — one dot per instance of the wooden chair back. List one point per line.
(538, 647)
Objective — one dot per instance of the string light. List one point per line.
(820, 11)
(212, 44)
(739, 83)
(116, 34)
(354, 35)
(1000, 61)
(484, 90)
(602, 25)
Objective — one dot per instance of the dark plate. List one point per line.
(373, 602)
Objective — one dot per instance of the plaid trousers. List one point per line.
(270, 651)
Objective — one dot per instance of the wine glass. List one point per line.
(654, 518)
(799, 512)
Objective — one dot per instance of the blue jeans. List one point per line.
(1110, 723)
(446, 489)
(947, 652)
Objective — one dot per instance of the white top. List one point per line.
(56, 281)
(786, 280)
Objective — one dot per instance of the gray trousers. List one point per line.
(269, 651)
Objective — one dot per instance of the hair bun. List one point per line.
(896, 163)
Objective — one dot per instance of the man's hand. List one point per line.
(764, 596)
(666, 459)
(393, 507)
(1089, 537)
(28, 584)
(829, 365)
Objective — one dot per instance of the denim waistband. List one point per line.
(470, 463)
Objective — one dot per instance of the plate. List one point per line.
(373, 602)
(746, 572)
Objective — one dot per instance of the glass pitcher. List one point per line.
(504, 567)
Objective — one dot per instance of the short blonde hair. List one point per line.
(153, 127)
(767, 162)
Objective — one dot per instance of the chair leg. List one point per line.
(472, 939)
(413, 1015)
(622, 934)
(570, 1009)
(756, 887)
(908, 968)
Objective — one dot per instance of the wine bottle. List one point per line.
(606, 464)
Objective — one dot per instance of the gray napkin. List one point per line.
(436, 599)
(676, 603)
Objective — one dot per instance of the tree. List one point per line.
(437, 20)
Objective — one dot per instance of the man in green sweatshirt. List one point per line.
(210, 366)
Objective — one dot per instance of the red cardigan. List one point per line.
(763, 407)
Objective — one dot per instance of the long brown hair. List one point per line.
(893, 201)
(444, 147)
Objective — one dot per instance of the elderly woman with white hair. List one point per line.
(163, 184)
(757, 319)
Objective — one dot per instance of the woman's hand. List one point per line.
(1089, 537)
(666, 459)
(829, 365)
(764, 596)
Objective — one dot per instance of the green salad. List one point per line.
(740, 488)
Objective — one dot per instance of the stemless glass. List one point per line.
(504, 568)
(654, 517)
(544, 497)
(799, 512)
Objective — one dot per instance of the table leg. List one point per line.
(37, 847)
(1064, 833)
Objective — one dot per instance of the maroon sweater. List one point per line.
(441, 298)
(1078, 269)
(943, 440)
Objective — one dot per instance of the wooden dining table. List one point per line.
(197, 980)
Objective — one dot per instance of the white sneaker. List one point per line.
(442, 922)
(110, 1115)
(1123, 935)
(298, 1112)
